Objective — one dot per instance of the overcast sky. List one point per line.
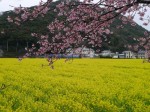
(5, 5)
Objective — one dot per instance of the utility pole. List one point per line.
(17, 46)
(7, 45)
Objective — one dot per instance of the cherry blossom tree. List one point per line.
(79, 23)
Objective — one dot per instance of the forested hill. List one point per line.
(125, 35)
(15, 39)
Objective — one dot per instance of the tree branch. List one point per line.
(143, 1)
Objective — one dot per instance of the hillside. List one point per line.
(16, 38)
(124, 36)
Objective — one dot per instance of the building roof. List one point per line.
(141, 52)
(126, 51)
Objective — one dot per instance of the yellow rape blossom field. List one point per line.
(84, 85)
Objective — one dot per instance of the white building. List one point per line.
(121, 56)
(116, 56)
(83, 52)
(128, 54)
(107, 53)
(142, 54)
(87, 52)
